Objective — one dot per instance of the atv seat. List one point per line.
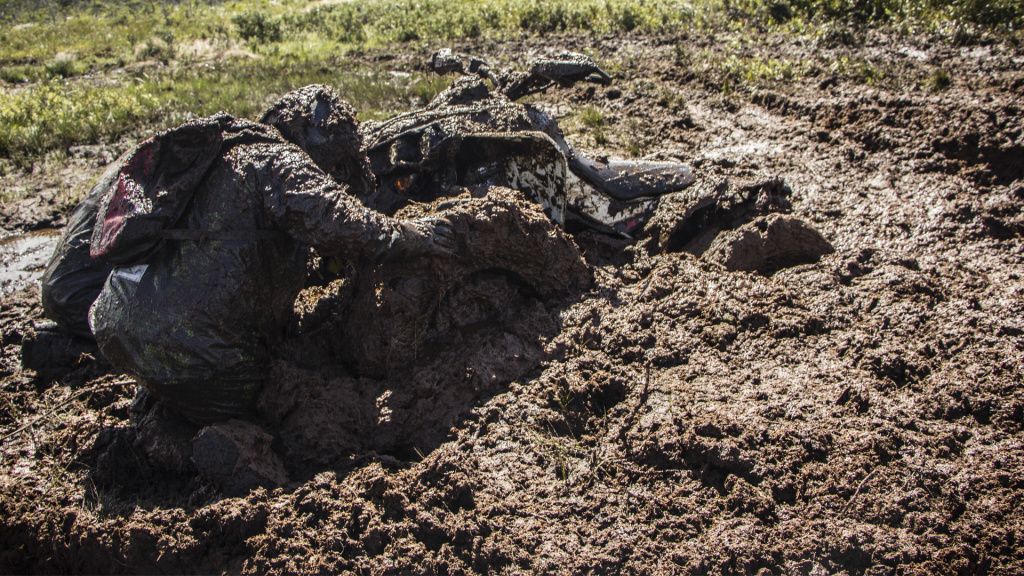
(631, 179)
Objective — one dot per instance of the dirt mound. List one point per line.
(424, 341)
(769, 244)
(237, 457)
(509, 255)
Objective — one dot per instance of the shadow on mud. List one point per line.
(742, 225)
(383, 364)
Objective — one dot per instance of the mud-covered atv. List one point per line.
(474, 136)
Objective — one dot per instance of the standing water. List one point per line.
(23, 258)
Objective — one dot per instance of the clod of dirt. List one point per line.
(53, 353)
(165, 439)
(509, 254)
(430, 339)
(237, 457)
(157, 445)
(690, 220)
(769, 244)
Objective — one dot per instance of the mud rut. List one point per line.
(850, 415)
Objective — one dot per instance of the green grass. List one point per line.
(857, 69)
(591, 117)
(84, 71)
(592, 121)
(49, 115)
(755, 71)
(938, 80)
(54, 114)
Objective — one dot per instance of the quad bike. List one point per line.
(475, 136)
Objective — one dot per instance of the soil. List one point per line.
(810, 363)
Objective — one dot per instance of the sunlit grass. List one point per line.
(91, 70)
(56, 114)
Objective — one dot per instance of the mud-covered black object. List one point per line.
(470, 136)
(155, 183)
(72, 279)
(414, 155)
(195, 316)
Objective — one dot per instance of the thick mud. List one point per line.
(811, 363)
(436, 337)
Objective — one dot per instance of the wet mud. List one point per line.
(23, 258)
(810, 363)
(436, 336)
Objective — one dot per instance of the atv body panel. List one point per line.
(469, 136)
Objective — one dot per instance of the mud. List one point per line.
(24, 257)
(769, 244)
(857, 411)
(437, 336)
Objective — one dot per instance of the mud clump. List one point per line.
(509, 255)
(53, 353)
(769, 244)
(420, 343)
(690, 220)
(237, 456)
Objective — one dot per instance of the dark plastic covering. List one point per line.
(72, 279)
(153, 189)
(196, 316)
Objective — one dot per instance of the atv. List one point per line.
(476, 134)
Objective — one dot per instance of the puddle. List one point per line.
(23, 258)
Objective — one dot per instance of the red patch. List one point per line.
(128, 198)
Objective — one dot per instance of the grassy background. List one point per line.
(79, 72)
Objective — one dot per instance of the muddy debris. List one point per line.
(769, 244)
(53, 353)
(690, 220)
(509, 255)
(436, 336)
(237, 456)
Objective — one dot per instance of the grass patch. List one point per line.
(160, 48)
(591, 117)
(994, 16)
(259, 27)
(55, 114)
(858, 70)
(732, 66)
(593, 122)
(63, 62)
(938, 80)
(405, 20)
(51, 115)
(755, 71)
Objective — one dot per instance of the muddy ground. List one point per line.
(716, 402)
